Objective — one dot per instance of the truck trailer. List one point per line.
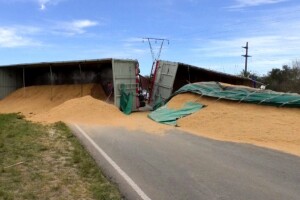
(167, 77)
(111, 74)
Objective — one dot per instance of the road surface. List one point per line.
(179, 165)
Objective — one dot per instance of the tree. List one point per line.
(286, 79)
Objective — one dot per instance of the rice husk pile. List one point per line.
(272, 127)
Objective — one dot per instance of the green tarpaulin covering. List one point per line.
(159, 103)
(169, 116)
(214, 89)
(242, 94)
(126, 100)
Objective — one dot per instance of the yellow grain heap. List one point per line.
(37, 99)
(267, 126)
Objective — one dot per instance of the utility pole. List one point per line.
(154, 59)
(246, 59)
(161, 40)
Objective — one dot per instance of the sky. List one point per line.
(204, 33)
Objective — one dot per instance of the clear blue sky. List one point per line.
(205, 33)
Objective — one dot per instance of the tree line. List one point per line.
(286, 79)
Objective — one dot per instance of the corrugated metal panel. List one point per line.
(164, 80)
(65, 63)
(124, 72)
(9, 81)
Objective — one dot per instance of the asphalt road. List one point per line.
(182, 166)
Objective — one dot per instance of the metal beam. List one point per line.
(51, 79)
(23, 81)
(81, 80)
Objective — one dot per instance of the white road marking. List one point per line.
(134, 186)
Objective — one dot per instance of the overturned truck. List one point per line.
(167, 77)
(114, 75)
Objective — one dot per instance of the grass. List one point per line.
(47, 162)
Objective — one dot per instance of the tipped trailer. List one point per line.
(167, 77)
(110, 73)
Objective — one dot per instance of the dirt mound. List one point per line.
(37, 99)
(272, 127)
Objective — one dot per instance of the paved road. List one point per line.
(182, 166)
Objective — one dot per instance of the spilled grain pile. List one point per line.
(37, 99)
(64, 103)
(267, 126)
(88, 110)
(85, 110)
(271, 127)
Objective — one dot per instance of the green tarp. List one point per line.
(169, 116)
(241, 94)
(158, 103)
(126, 100)
(214, 89)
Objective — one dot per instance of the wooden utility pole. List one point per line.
(246, 59)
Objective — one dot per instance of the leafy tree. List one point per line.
(286, 79)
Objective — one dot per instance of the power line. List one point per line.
(150, 40)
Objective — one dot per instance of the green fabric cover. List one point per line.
(248, 95)
(126, 100)
(169, 116)
(159, 102)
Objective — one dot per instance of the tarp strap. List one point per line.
(289, 102)
(247, 96)
(270, 98)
